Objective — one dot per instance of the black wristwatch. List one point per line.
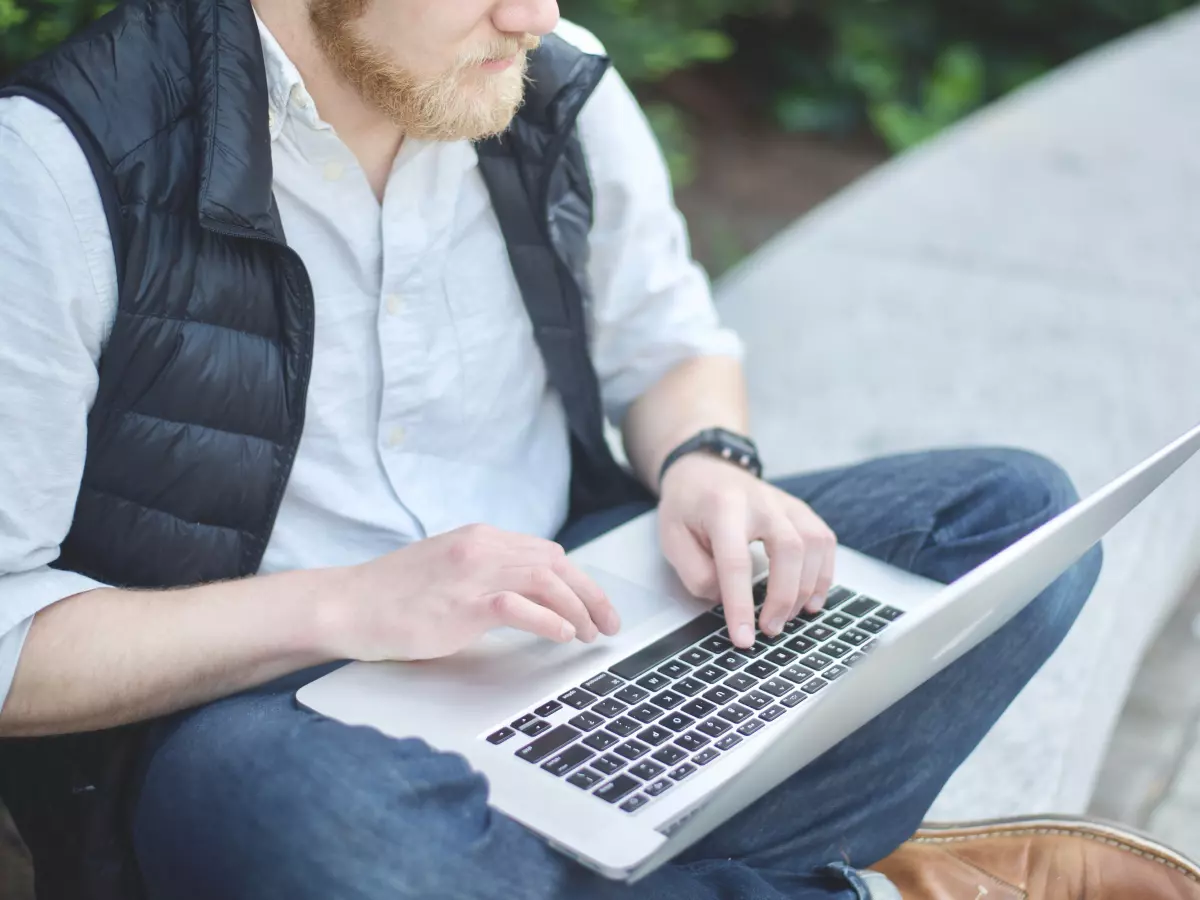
(736, 448)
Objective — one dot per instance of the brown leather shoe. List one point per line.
(1043, 858)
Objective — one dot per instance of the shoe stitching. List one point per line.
(1065, 832)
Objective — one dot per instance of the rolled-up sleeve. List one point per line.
(58, 293)
(652, 305)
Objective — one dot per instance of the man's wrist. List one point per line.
(721, 444)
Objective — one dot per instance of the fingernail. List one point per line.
(775, 626)
(816, 604)
(614, 622)
(568, 631)
(744, 635)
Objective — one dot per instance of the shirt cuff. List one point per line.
(22, 596)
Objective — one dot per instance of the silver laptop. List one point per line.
(623, 753)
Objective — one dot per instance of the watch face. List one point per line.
(736, 442)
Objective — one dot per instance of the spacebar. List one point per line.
(652, 654)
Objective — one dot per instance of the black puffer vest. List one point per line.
(203, 380)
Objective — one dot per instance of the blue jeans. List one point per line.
(251, 797)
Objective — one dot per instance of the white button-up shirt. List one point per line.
(428, 407)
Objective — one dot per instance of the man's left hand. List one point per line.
(711, 511)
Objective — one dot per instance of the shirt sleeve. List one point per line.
(652, 305)
(58, 284)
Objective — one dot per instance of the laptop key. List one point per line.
(527, 719)
(735, 713)
(669, 755)
(868, 646)
(890, 613)
(631, 694)
(645, 713)
(695, 656)
(772, 640)
(760, 669)
(601, 740)
(655, 735)
(727, 742)
(646, 770)
(739, 681)
(815, 685)
(657, 787)
(776, 687)
(609, 708)
(586, 721)
(603, 684)
(634, 803)
(853, 659)
(674, 669)
(548, 709)
(719, 695)
(623, 727)
(837, 596)
(713, 727)
(710, 673)
(654, 681)
(716, 645)
(577, 698)
(757, 700)
(571, 758)
(816, 662)
(748, 728)
(683, 772)
(691, 741)
(499, 737)
(730, 661)
(665, 647)
(668, 699)
(801, 644)
(833, 673)
(797, 674)
(758, 648)
(536, 727)
(704, 757)
(689, 687)
(793, 625)
(677, 722)
(618, 788)
(873, 625)
(607, 765)
(550, 742)
(819, 633)
(586, 779)
(854, 638)
(795, 698)
(698, 707)
(632, 750)
(771, 713)
(836, 649)
(780, 657)
(860, 606)
(837, 621)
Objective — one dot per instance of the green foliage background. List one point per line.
(905, 68)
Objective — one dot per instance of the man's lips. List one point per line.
(498, 65)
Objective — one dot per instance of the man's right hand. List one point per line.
(435, 597)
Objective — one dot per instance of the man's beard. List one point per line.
(462, 104)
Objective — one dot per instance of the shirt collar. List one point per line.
(286, 94)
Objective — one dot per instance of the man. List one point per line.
(302, 363)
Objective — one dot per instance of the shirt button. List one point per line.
(301, 98)
(394, 304)
(271, 119)
(396, 437)
(334, 171)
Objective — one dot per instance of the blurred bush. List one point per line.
(905, 68)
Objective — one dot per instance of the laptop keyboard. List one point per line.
(631, 733)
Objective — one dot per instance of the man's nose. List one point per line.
(538, 17)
